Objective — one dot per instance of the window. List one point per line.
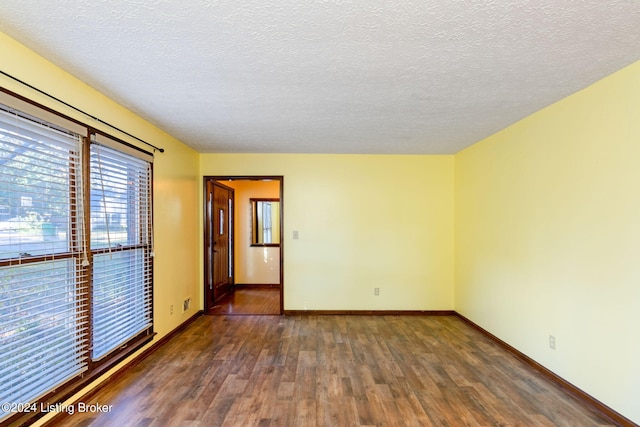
(121, 248)
(265, 226)
(41, 293)
(75, 277)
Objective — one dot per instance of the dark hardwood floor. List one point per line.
(249, 300)
(333, 371)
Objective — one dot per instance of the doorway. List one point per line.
(253, 264)
(219, 207)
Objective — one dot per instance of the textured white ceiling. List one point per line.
(331, 76)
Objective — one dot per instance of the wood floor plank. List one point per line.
(305, 415)
(333, 371)
(337, 412)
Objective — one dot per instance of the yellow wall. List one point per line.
(176, 178)
(253, 265)
(364, 221)
(548, 238)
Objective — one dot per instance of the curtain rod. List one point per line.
(79, 110)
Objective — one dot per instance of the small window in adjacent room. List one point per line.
(265, 222)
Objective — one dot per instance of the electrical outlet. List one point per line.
(552, 342)
(171, 309)
(376, 291)
(296, 235)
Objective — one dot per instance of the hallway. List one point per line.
(249, 300)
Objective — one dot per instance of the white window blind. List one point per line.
(121, 247)
(75, 277)
(43, 292)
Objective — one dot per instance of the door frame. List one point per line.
(219, 178)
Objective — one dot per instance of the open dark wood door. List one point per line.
(218, 243)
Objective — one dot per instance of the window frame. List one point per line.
(80, 224)
(144, 242)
